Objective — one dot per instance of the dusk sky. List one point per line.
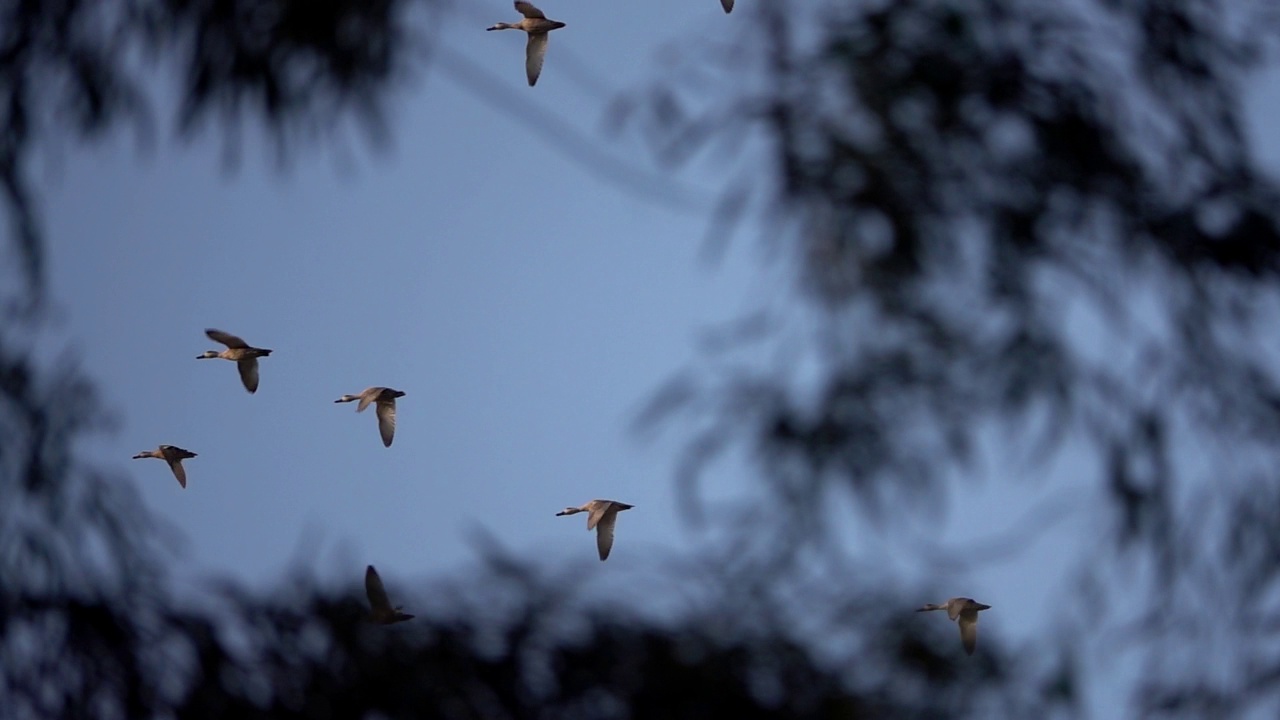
(526, 306)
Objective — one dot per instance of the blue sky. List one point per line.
(527, 308)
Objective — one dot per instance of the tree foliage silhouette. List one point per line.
(80, 69)
(1039, 223)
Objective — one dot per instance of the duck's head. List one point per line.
(207, 354)
(569, 511)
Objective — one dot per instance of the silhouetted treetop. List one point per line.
(317, 657)
(82, 68)
(961, 176)
(1022, 229)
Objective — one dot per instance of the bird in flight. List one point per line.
(239, 351)
(602, 516)
(537, 26)
(385, 399)
(173, 455)
(965, 611)
(381, 611)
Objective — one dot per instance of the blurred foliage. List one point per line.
(1033, 227)
(1041, 222)
(552, 653)
(79, 68)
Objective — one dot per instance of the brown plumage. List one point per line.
(173, 455)
(380, 611)
(965, 611)
(537, 26)
(385, 399)
(602, 518)
(239, 351)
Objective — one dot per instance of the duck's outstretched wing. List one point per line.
(596, 513)
(604, 535)
(367, 396)
(378, 599)
(969, 632)
(225, 338)
(176, 466)
(248, 368)
(387, 421)
(528, 10)
(534, 52)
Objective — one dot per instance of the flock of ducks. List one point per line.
(602, 515)
(536, 25)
